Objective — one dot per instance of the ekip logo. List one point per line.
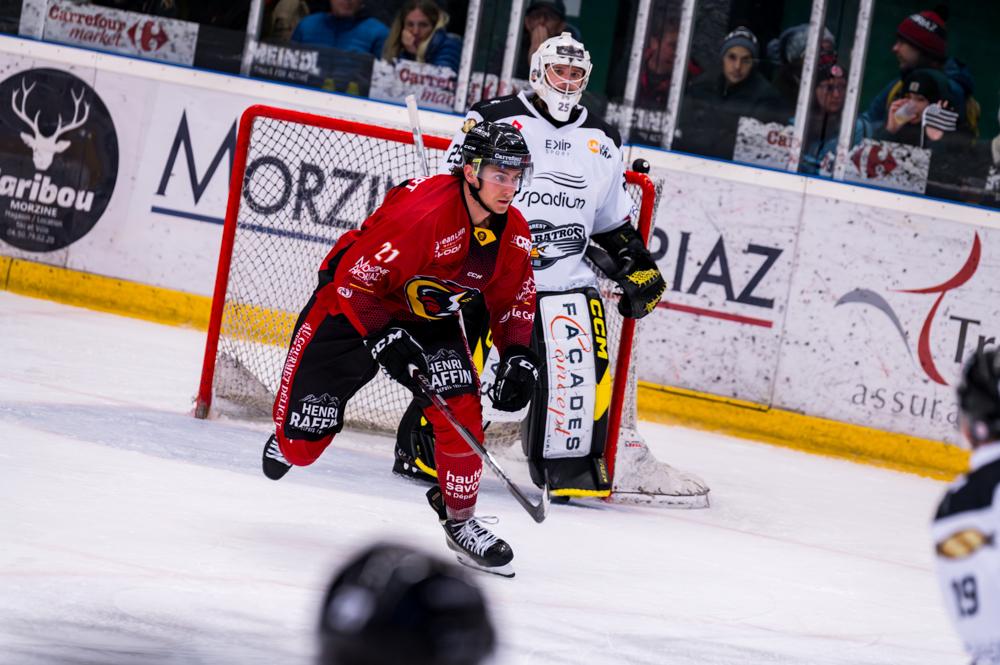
(431, 298)
(924, 353)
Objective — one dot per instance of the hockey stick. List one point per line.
(537, 511)
(418, 135)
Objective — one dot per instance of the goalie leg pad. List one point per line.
(568, 420)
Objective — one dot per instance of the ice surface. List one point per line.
(132, 533)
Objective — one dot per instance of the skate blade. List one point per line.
(275, 471)
(502, 571)
(426, 481)
(691, 501)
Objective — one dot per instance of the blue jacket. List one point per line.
(960, 82)
(361, 34)
(444, 50)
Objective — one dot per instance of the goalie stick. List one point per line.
(537, 511)
(418, 135)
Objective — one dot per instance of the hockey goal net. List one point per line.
(299, 182)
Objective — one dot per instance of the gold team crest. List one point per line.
(484, 236)
(469, 124)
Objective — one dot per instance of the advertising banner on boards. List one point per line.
(884, 309)
(59, 159)
(726, 250)
(130, 33)
(434, 87)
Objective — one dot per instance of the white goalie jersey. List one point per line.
(578, 188)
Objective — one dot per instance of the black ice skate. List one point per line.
(275, 464)
(405, 467)
(474, 545)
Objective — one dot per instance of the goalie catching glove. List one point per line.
(396, 350)
(629, 264)
(516, 377)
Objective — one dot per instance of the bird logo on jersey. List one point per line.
(964, 544)
(431, 298)
(552, 243)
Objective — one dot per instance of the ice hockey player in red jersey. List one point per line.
(389, 295)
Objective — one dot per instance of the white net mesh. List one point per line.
(304, 185)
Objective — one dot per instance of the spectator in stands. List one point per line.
(658, 66)
(714, 103)
(787, 53)
(542, 19)
(345, 27)
(823, 128)
(922, 43)
(281, 18)
(925, 116)
(418, 33)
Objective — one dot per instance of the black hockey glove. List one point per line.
(516, 377)
(629, 264)
(396, 350)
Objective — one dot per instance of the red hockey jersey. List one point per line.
(418, 257)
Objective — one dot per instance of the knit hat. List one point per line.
(557, 6)
(790, 46)
(829, 69)
(926, 32)
(930, 83)
(740, 37)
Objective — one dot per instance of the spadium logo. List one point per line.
(924, 351)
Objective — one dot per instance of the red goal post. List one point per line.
(299, 180)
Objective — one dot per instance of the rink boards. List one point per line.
(824, 315)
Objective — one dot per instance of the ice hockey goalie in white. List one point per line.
(578, 195)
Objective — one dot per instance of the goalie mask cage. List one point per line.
(299, 181)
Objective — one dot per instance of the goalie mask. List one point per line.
(560, 90)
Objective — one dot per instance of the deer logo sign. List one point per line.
(45, 148)
(59, 159)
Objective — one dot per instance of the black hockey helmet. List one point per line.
(392, 604)
(979, 397)
(499, 144)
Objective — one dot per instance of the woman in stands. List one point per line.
(418, 33)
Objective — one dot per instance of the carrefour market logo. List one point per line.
(58, 160)
(923, 352)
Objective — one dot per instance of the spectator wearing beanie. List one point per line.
(922, 43)
(786, 54)
(823, 129)
(713, 105)
(925, 116)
